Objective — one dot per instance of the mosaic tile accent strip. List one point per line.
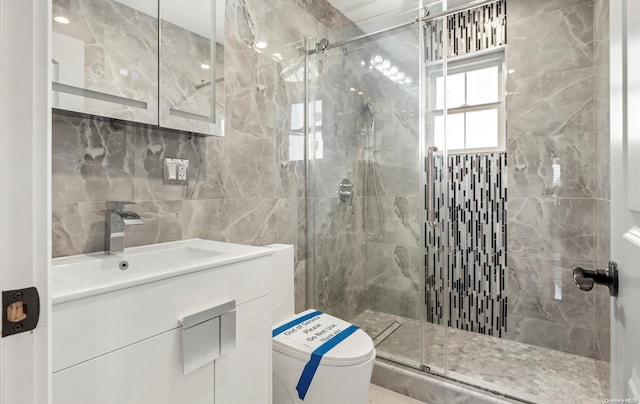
(468, 290)
(468, 31)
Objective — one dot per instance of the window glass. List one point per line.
(455, 131)
(456, 90)
(439, 101)
(438, 131)
(474, 102)
(482, 128)
(482, 86)
(297, 116)
(296, 147)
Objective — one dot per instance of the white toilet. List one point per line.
(340, 370)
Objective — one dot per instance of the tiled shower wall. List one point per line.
(243, 188)
(468, 290)
(557, 191)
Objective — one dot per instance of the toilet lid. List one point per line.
(301, 340)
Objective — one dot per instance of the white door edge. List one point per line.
(25, 191)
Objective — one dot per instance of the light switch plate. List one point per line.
(176, 171)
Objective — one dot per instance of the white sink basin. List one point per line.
(80, 276)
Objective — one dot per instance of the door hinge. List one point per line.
(20, 310)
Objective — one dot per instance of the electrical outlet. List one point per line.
(176, 171)
(183, 166)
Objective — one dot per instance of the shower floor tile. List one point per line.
(520, 370)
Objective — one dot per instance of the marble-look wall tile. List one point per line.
(152, 147)
(300, 282)
(602, 130)
(394, 284)
(544, 290)
(552, 335)
(601, 31)
(520, 9)
(557, 143)
(162, 222)
(303, 250)
(550, 104)
(602, 162)
(550, 41)
(339, 278)
(78, 228)
(553, 166)
(397, 171)
(401, 220)
(338, 162)
(558, 229)
(247, 221)
(93, 159)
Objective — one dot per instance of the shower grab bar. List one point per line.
(430, 194)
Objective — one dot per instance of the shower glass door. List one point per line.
(365, 186)
(445, 230)
(435, 317)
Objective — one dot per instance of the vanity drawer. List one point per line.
(86, 328)
(147, 372)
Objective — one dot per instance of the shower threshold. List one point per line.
(511, 368)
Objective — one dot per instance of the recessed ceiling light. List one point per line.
(205, 66)
(511, 71)
(261, 45)
(62, 20)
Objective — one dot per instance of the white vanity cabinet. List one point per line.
(124, 343)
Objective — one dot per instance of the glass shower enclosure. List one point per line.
(446, 204)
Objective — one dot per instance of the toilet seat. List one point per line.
(357, 348)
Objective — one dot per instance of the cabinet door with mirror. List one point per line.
(148, 61)
(192, 65)
(105, 58)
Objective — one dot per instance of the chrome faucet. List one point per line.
(115, 219)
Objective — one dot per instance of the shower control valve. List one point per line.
(345, 190)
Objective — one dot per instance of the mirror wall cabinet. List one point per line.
(148, 61)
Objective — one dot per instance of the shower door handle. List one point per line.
(430, 194)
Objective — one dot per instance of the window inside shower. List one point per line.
(475, 105)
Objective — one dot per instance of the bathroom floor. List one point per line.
(524, 371)
(380, 395)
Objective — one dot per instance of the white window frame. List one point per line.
(465, 64)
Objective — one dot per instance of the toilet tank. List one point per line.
(282, 272)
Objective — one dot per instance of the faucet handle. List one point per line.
(117, 206)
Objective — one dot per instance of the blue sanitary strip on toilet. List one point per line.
(293, 323)
(312, 366)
